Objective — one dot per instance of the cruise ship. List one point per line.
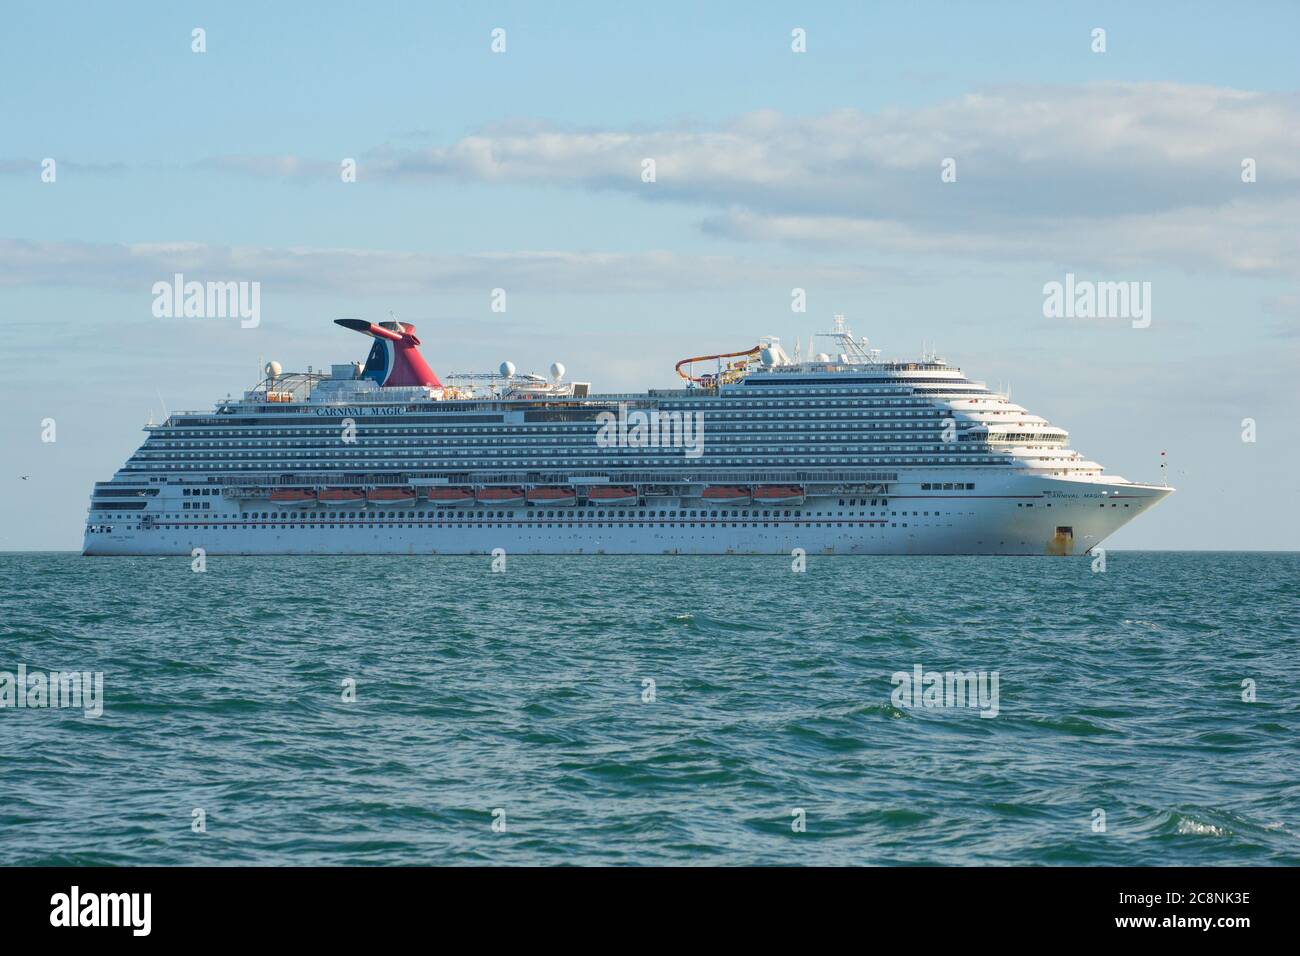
(833, 452)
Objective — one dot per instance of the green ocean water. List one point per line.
(525, 692)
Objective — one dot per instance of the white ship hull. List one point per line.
(853, 455)
(1027, 516)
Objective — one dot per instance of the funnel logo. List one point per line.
(395, 357)
(208, 300)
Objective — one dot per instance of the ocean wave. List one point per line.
(525, 692)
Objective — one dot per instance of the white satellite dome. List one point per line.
(273, 369)
(557, 371)
(767, 357)
(823, 357)
(507, 369)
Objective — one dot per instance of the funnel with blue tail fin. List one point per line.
(395, 357)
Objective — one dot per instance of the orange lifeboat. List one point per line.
(450, 497)
(726, 495)
(341, 497)
(391, 496)
(612, 495)
(500, 496)
(552, 497)
(293, 498)
(779, 495)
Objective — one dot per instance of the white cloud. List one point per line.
(272, 166)
(1146, 172)
(33, 167)
(1240, 237)
(300, 269)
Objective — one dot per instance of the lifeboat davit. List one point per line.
(552, 497)
(450, 497)
(341, 497)
(779, 495)
(611, 495)
(293, 498)
(726, 495)
(391, 496)
(500, 496)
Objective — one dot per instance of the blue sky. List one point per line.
(521, 170)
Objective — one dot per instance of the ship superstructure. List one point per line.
(841, 452)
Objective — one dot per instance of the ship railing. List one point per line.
(743, 476)
(245, 486)
(675, 483)
(657, 490)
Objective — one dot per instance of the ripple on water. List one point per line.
(653, 710)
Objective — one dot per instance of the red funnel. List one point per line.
(395, 358)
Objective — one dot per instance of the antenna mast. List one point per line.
(845, 343)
